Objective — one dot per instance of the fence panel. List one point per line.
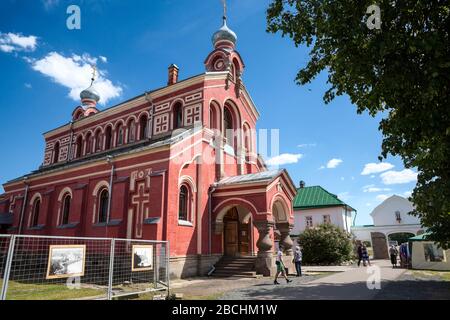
(4, 248)
(55, 268)
(136, 267)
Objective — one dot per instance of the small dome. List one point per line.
(90, 94)
(224, 33)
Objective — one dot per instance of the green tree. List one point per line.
(401, 70)
(325, 244)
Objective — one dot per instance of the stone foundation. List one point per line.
(192, 266)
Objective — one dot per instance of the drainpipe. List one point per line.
(354, 219)
(24, 204)
(69, 156)
(211, 190)
(150, 118)
(163, 208)
(109, 159)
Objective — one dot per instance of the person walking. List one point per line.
(360, 255)
(298, 261)
(365, 256)
(393, 253)
(280, 267)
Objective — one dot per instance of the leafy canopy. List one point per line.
(402, 70)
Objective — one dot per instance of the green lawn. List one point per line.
(444, 275)
(22, 291)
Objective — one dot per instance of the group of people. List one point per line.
(281, 268)
(363, 255)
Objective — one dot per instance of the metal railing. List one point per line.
(49, 268)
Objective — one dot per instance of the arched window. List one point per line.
(143, 124)
(177, 116)
(108, 135)
(228, 126)
(183, 203)
(131, 131)
(247, 139)
(66, 209)
(119, 131)
(79, 147)
(56, 153)
(88, 143)
(103, 206)
(98, 141)
(35, 212)
(214, 117)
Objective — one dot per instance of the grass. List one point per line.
(23, 291)
(443, 275)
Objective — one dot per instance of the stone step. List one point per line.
(247, 268)
(235, 263)
(223, 273)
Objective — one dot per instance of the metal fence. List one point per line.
(56, 268)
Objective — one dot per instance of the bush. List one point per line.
(326, 244)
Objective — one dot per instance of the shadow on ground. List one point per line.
(395, 290)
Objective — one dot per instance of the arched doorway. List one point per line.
(236, 232)
(398, 238)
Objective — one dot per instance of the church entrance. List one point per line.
(236, 234)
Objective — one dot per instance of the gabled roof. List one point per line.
(316, 197)
(251, 177)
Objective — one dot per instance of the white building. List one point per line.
(390, 219)
(315, 205)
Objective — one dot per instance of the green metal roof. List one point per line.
(420, 237)
(316, 197)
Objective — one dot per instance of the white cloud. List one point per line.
(333, 163)
(28, 86)
(399, 177)
(285, 158)
(103, 59)
(48, 4)
(75, 73)
(6, 48)
(371, 168)
(10, 42)
(382, 197)
(372, 188)
(304, 145)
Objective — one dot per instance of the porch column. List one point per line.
(286, 241)
(264, 259)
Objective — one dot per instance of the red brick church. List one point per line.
(177, 163)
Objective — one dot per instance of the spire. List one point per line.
(224, 36)
(90, 97)
(224, 2)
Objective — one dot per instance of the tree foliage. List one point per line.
(402, 70)
(325, 244)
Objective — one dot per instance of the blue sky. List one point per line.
(133, 43)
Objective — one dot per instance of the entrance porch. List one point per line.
(247, 210)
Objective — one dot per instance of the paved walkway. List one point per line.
(350, 284)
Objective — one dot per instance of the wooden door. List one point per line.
(231, 242)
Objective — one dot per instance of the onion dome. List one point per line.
(224, 34)
(89, 96)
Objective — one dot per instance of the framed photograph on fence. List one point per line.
(142, 258)
(66, 261)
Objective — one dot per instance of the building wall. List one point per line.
(336, 215)
(384, 214)
(418, 258)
